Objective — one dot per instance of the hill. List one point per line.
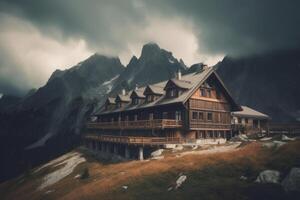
(215, 175)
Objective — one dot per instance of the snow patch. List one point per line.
(109, 84)
(171, 61)
(220, 149)
(286, 138)
(57, 160)
(41, 142)
(67, 168)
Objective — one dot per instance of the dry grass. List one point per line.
(153, 177)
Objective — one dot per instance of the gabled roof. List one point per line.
(183, 84)
(139, 92)
(249, 112)
(154, 89)
(123, 98)
(190, 81)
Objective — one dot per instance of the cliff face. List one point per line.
(268, 82)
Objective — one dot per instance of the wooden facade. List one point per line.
(191, 109)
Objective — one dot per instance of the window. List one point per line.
(218, 94)
(178, 115)
(172, 92)
(150, 98)
(200, 115)
(135, 101)
(165, 115)
(151, 116)
(209, 93)
(203, 92)
(239, 120)
(209, 116)
(135, 117)
(246, 120)
(195, 115)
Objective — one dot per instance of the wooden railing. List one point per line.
(134, 139)
(139, 124)
(285, 128)
(208, 126)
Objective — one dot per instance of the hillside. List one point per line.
(210, 175)
(268, 82)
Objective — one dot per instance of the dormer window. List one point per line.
(202, 92)
(172, 92)
(135, 101)
(150, 98)
(119, 105)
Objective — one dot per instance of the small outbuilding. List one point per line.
(249, 121)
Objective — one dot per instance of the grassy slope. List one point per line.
(214, 176)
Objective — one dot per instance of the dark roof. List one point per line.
(249, 112)
(191, 82)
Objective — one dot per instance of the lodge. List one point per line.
(189, 109)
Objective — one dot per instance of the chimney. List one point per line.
(136, 87)
(123, 92)
(178, 75)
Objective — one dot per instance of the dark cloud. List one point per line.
(239, 26)
(236, 27)
(98, 22)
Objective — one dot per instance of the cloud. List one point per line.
(39, 36)
(238, 27)
(27, 57)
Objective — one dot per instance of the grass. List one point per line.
(213, 176)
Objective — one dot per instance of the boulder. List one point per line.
(286, 138)
(268, 176)
(157, 153)
(291, 182)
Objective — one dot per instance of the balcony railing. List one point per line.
(134, 139)
(139, 124)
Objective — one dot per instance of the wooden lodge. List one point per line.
(193, 108)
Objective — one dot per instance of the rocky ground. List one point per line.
(245, 168)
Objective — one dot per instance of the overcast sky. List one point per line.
(38, 37)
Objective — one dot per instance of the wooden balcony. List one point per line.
(134, 139)
(140, 124)
(209, 126)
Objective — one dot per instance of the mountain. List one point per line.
(158, 62)
(268, 82)
(48, 121)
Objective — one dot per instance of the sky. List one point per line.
(37, 37)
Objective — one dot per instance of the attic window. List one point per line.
(135, 101)
(218, 94)
(171, 92)
(203, 92)
(150, 98)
